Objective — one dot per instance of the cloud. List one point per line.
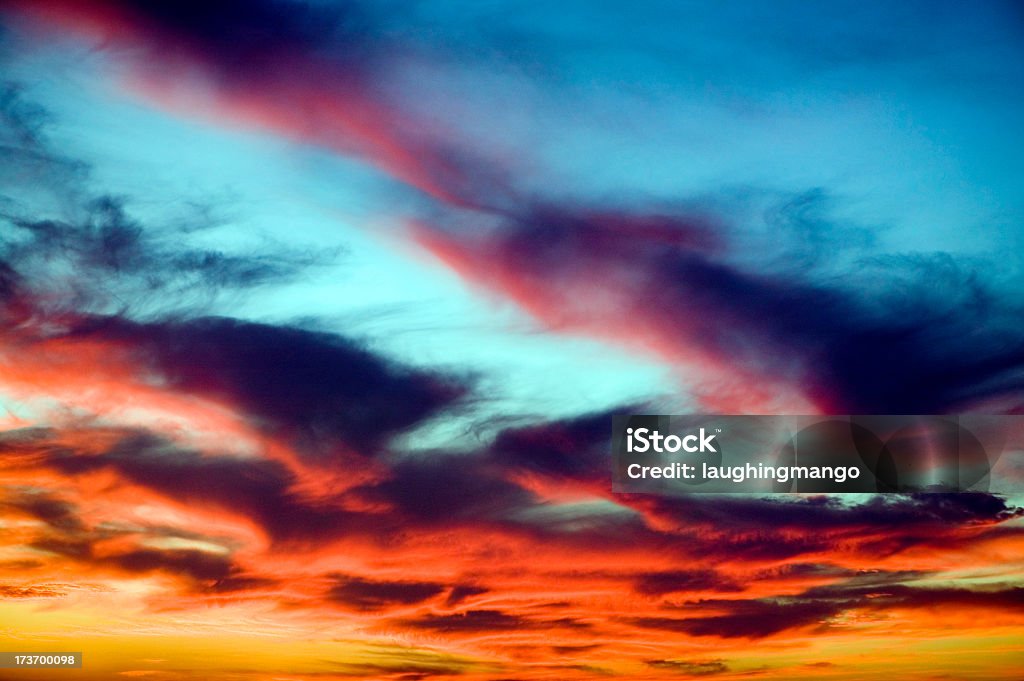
(780, 529)
(77, 270)
(469, 621)
(409, 671)
(576, 649)
(420, 490)
(686, 668)
(675, 581)
(113, 550)
(485, 621)
(924, 333)
(202, 460)
(69, 250)
(31, 162)
(256, 489)
(473, 493)
(367, 594)
(100, 260)
(656, 594)
(890, 333)
(216, 572)
(746, 619)
(320, 388)
(57, 513)
(461, 592)
(917, 513)
(311, 72)
(33, 591)
(116, 261)
(572, 449)
(816, 607)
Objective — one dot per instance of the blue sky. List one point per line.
(888, 130)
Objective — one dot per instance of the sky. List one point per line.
(314, 316)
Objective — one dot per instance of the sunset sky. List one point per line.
(314, 316)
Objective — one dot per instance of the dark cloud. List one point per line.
(265, 491)
(30, 162)
(778, 528)
(448, 489)
(745, 619)
(914, 334)
(765, 545)
(78, 546)
(468, 621)
(472, 491)
(573, 449)
(69, 537)
(92, 270)
(416, 492)
(201, 566)
(259, 489)
(207, 572)
(820, 570)
(237, 34)
(321, 388)
(318, 71)
(461, 592)
(898, 333)
(55, 512)
(760, 618)
(485, 620)
(576, 649)
(686, 668)
(881, 595)
(737, 527)
(917, 512)
(366, 594)
(119, 265)
(68, 249)
(675, 581)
